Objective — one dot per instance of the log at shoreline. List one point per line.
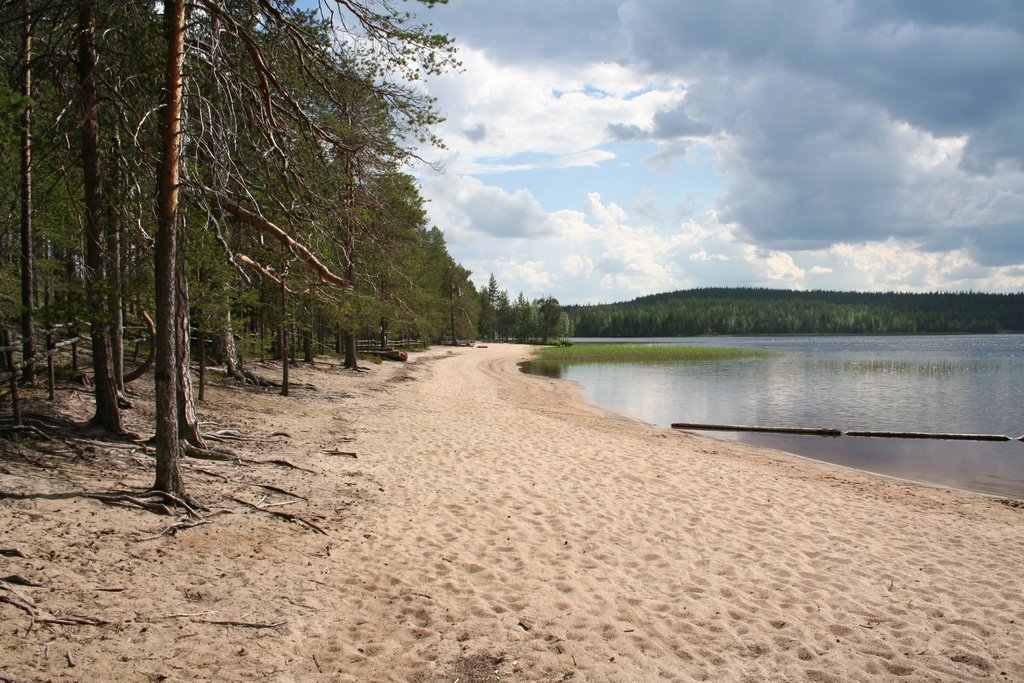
(814, 431)
(930, 435)
(829, 431)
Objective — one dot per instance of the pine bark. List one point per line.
(351, 361)
(188, 421)
(108, 413)
(225, 350)
(168, 447)
(27, 265)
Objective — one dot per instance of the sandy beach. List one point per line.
(484, 525)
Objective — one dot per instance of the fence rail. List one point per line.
(374, 344)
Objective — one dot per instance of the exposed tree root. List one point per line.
(274, 489)
(10, 431)
(219, 454)
(223, 455)
(288, 516)
(248, 377)
(19, 580)
(244, 624)
(282, 463)
(228, 435)
(10, 595)
(140, 500)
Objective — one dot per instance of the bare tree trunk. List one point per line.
(351, 361)
(451, 306)
(282, 338)
(108, 413)
(115, 283)
(168, 448)
(202, 367)
(307, 339)
(27, 266)
(188, 422)
(226, 351)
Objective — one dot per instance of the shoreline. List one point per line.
(494, 526)
(989, 465)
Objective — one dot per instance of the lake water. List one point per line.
(965, 384)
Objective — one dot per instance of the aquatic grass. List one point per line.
(641, 353)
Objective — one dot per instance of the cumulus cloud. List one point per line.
(523, 116)
(465, 206)
(863, 144)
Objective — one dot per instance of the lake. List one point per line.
(963, 383)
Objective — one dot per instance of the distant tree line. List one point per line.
(771, 311)
(502, 318)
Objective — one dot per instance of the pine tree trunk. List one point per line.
(351, 361)
(224, 348)
(27, 266)
(168, 448)
(282, 338)
(188, 422)
(108, 413)
(115, 302)
(307, 340)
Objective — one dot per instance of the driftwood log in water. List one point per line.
(814, 431)
(928, 435)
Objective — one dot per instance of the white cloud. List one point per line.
(499, 112)
(577, 265)
(868, 145)
(464, 206)
(610, 215)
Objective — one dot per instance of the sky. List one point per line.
(601, 150)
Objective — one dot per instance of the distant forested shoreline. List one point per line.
(771, 311)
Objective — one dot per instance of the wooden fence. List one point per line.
(11, 375)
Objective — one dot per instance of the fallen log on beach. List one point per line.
(389, 354)
(930, 435)
(814, 431)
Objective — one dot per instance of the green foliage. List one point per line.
(306, 118)
(767, 311)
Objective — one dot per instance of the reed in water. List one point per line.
(640, 353)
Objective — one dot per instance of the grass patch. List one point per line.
(641, 353)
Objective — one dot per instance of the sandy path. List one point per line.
(494, 527)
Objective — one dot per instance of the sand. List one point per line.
(495, 527)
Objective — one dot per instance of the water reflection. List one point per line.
(544, 368)
(965, 384)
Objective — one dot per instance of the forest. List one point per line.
(232, 175)
(771, 311)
